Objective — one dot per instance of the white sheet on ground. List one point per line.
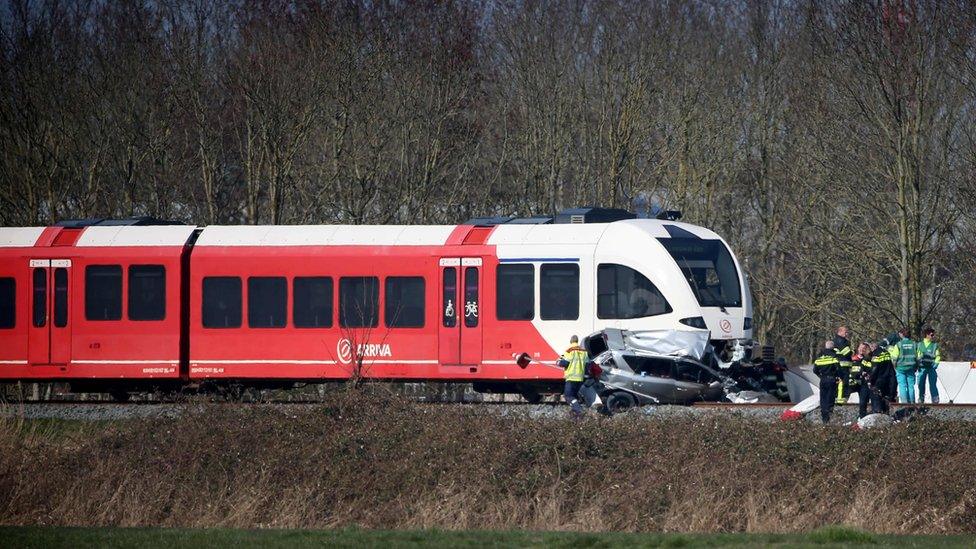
(751, 397)
(871, 421)
(801, 382)
(808, 404)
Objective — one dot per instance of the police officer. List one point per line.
(884, 388)
(827, 367)
(574, 362)
(842, 348)
(929, 357)
(860, 378)
(904, 354)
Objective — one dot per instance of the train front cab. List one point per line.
(558, 280)
(692, 269)
(94, 306)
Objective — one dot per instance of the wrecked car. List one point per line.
(652, 367)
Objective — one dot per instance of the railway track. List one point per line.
(219, 402)
(784, 405)
(74, 410)
(491, 403)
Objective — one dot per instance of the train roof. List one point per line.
(19, 237)
(163, 235)
(325, 235)
(591, 233)
(96, 236)
(345, 235)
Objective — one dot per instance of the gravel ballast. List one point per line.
(77, 411)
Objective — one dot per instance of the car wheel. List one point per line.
(620, 402)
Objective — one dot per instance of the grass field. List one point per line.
(386, 464)
(161, 537)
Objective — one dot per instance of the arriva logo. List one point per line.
(364, 350)
(344, 351)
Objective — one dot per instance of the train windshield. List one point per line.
(709, 269)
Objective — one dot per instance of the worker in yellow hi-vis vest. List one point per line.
(574, 362)
(842, 348)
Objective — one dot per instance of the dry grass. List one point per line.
(385, 463)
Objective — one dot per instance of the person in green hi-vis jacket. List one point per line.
(929, 357)
(904, 354)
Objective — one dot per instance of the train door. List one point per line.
(460, 303)
(49, 336)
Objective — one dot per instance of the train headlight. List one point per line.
(747, 324)
(694, 322)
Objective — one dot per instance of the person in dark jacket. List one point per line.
(842, 348)
(828, 369)
(884, 386)
(860, 379)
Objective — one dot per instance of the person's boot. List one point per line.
(576, 410)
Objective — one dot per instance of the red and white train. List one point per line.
(122, 306)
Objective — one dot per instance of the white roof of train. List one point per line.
(344, 235)
(325, 235)
(19, 237)
(589, 233)
(157, 235)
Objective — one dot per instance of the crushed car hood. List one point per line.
(669, 367)
(673, 343)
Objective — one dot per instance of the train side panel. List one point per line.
(15, 247)
(231, 340)
(137, 337)
(97, 303)
(234, 346)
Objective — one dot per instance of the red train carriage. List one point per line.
(92, 303)
(131, 307)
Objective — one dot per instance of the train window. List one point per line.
(60, 297)
(625, 293)
(39, 291)
(471, 303)
(359, 299)
(404, 300)
(448, 306)
(559, 292)
(103, 292)
(147, 292)
(709, 269)
(515, 292)
(8, 308)
(221, 302)
(312, 305)
(267, 301)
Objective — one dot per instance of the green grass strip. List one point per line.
(176, 537)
